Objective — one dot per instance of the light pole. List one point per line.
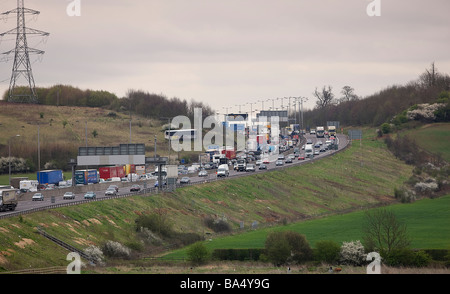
(9, 156)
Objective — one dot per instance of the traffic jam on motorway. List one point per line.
(295, 147)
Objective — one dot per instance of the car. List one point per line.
(262, 166)
(301, 158)
(250, 168)
(266, 161)
(317, 145)
(185, 180)
(115, 187)
(288, 160)
(38, 197)
(90, 195)
(135, 188)
(69, 195)
(203, 173)
(279, 162)
(110, 192)
(259, 162)
(316, 152)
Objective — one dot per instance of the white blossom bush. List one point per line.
(115, 249)
(424, 187)
(424, 111)
(95, 254)
(352, 253)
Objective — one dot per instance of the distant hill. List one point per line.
(62, 129)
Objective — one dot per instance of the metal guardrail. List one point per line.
(47, 270)
(155, 190)
(64, 245)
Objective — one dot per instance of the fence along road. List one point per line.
(343, 143)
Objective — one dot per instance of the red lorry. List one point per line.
(109, 172)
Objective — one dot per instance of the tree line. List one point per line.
(376, 109)
(138, 102)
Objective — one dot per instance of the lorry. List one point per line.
(85, 177)
(29, 185)
(331, 131)
(320, 132)
(109, 172)
(241, 164)
(50, 177)
(223, 170)
(8, 199)
(309, 151)
(229, 153)
(219, 159)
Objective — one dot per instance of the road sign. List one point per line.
(355, 134)
(157, 160)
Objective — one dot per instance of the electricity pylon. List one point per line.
(22, 65)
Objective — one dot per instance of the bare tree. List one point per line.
(348, 94)
(429, 77)
(383, 232)
(324, 97)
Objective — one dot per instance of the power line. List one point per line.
(22, 64)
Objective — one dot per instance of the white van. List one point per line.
(30, 185)
(223, 170)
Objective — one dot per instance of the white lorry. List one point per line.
(223, 170)
(29, 185)
(309, 151)
(320, 132)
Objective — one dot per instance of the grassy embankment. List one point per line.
(433, 138)
(351, 180)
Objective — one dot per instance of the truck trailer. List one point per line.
(110, 172)
(8, 199)
(85, 177)
(332, 131)
(50, 176)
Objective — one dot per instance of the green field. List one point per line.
(434, 138)
(428, 223)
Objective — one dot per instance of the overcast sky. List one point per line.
(233, 52)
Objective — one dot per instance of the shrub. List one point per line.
(386, 128)
(287, 247)
(95, 254)
(218, 225)
(198, 253)
(407, 257)
(157, 223)
(115, 249)
(327, 251)
(237, 254)
(352, 253)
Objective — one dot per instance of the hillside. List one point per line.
(65, 128)
(433, 138)
(354, 179)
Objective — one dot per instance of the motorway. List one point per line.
(25, 206)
